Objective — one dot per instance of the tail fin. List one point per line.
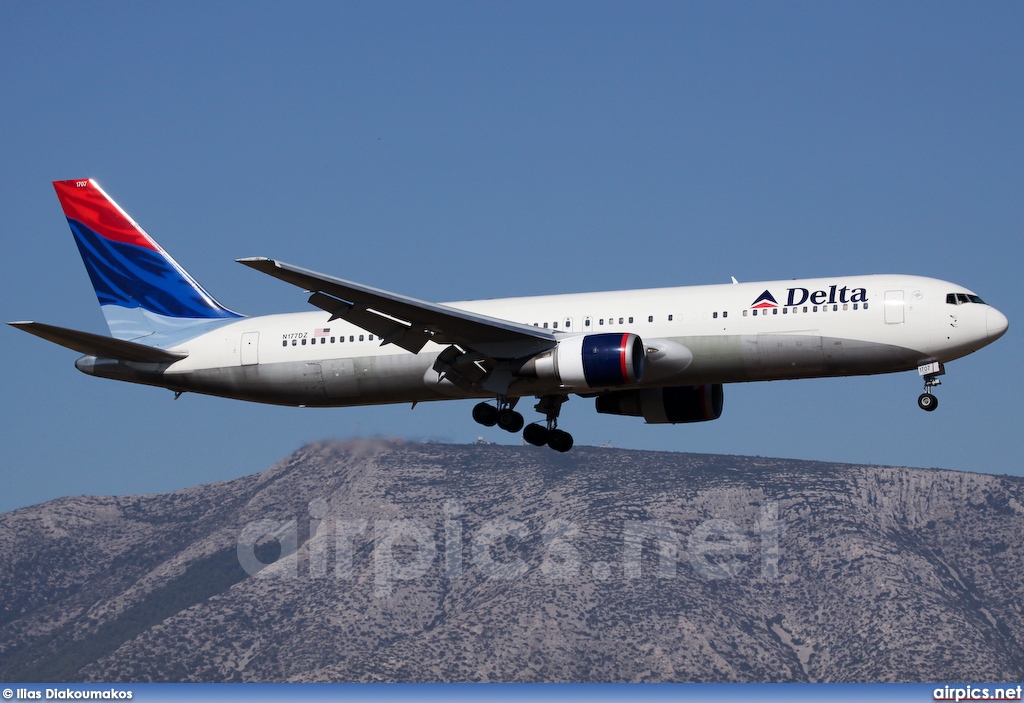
(141, 289)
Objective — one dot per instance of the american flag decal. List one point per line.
(321, 331)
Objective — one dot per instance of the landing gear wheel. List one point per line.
(510, 421)
(549, 433)
(927, 401)
(535, 434)
(560, 441)
(486, 414)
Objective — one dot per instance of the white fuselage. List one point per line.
(809, 328)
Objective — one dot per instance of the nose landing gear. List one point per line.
(930, 373)
(927, 401)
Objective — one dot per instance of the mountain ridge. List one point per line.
(600, 565)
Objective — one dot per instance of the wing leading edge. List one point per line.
(408, 322)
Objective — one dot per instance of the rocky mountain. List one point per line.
(380, 560)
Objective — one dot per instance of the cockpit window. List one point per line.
(963, 298)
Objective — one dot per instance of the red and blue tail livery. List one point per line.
(141, 289)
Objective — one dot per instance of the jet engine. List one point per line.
(665, 405)
(591, 361)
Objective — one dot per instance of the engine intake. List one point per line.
(675, 404)
(592, 361)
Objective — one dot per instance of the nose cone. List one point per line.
(996, 323)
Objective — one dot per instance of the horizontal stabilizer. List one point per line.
(99, 345)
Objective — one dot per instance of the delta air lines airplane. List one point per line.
(661, 354)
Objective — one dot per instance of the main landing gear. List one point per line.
(538, 435)
(505, 417)
(930, 373)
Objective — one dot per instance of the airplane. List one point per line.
(662, 354)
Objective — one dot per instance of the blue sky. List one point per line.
(461, 150)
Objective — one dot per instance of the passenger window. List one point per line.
(303, 342)
(744, 313)
(714, 315)
(725, 314)
(601, 321)
(620, 320)
(755, 313)
(568, 324)
(650, 318)
(555, 325)
(284, 342)
(785, 311)
(775, 311)
(332, 340)
(294, 342)
(815, 308)
(360, 338)
(631, 320)
(545, 325)
(805, 308)
(586, 322)
(844, 306)
(865, 306)
(670, 318)
(371, 337)
(835, 308)
(855, 306)
(351, 338)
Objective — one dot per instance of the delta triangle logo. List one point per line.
(765, 300)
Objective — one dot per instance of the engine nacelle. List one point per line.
(666, 405)
(584, 362)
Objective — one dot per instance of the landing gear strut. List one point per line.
(548, 433)
(930, 373)
(504, 416)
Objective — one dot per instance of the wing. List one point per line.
(408, 322)
(99, 345)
